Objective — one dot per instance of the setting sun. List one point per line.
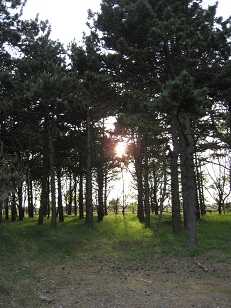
(120, 149)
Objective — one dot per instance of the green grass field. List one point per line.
(115, 236)
(26, 247)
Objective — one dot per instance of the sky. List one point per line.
(68, 18)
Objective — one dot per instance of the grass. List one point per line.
(25, 247)
(115, 237)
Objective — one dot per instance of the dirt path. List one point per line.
(160, 282)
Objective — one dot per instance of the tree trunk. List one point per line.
(155, 201)
(13, 208)
(100, 192)
(138, 170)
(200, 186)
(188, 183)
(20, 208)
(52, 173)
(30, 197)
(69, 208)
(1, 202)
(176, 218)
(81, 210)
(105, 193)
(146, 186)
(163, 190)
(89, 205)
(7, 209)
(43, 200)
(75, 195)
(60, 202)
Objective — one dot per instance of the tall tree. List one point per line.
(87, 66)
(171, 56)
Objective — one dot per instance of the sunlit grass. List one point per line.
(115, 236)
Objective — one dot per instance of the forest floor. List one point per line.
(157, 282)
(118, 264)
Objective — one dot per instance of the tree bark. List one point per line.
(100, 191)
(188, 177)
(146, 186)
(155, 206)
(105, 193)
(13, 207)
(138, 170)
(89, 205)
(7, 208)
(75, 195)
(30, 197)
(20, 208)
(176, 218)
(1, 202)
(81, 210)
(69, 208)
(60, 202)
(52, 173)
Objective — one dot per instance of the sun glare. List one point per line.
(120, 149)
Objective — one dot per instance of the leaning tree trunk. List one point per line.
(188, 177)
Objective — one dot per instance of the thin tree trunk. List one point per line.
(200, 186)
(138, 169)
(1, 203)
(163, 190)
(20, 208)
(75, 195)
(7, 208)
(155, 201)
(146, 186)
(81, 210)
(100, 192)
(89, 205)
(60, 201)
(13, 207)
(176, 218)
(52, 172)
(43, 200)
(30, 197)
(69, 209)
(105, 193)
